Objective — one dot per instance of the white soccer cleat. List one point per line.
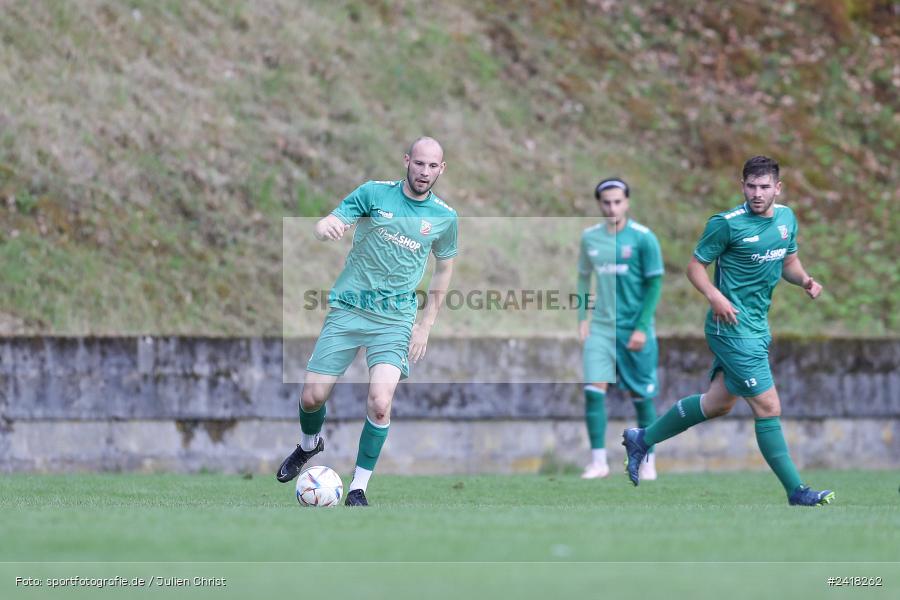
(647, 470)
(595, 471)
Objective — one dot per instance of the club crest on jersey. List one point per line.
(425, 229)
(784, 231)
(626, 252)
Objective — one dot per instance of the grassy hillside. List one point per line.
(149, 149)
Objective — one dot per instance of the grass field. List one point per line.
(500, 536)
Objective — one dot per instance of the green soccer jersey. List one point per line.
(622, 261)
(394, 235)
(749, 251)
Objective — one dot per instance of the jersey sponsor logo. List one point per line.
(385, 214)
(399, 239)
(769, 256)
(425, 228)
(750, 239)
(626, 252)
(784, 231)
(611, 269)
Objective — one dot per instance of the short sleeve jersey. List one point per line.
(749, 252)
(620, 288)
(393, 238)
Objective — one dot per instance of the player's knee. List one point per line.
(379, 406)
(768, 410)
(719, 407)
(312, 398)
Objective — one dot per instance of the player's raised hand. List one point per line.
(813, 288)
(722, 308)
(636, 341)
(418, 341)
(330, 228)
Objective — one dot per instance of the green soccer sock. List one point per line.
(310, 426)
(774, 449)
(646, 414)
(370, 442)
(686, 413)
(311, 422)
(595, 416)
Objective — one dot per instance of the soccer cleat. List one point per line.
(595, 471)
(356, 498)
(293, 464)
(635, 451)
(803, 496)
(647, 470)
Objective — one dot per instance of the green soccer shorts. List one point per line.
(608, 360)
(744, 361)
(345, 331)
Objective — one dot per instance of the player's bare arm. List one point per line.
(437, 291)
(721, 306)
(330, 228)
(793, 272)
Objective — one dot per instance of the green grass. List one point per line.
(708, 517)
(445, 534)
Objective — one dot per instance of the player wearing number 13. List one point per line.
(753, 245)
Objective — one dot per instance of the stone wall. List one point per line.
(186, 404)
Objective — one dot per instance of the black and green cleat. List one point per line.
(803, 496)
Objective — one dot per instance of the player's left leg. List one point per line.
(646, 414)
(382, 384)
(387, 355)
(637, 373)
(770, 438)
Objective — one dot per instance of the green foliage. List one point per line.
(151, 150)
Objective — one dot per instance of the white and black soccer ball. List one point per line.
(319, 486)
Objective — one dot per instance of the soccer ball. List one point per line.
(319, 486)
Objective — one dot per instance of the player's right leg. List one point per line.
(686, 413)
(595, 418)
(335, 349)
(598, 357)
(316, 389)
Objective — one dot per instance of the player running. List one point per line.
(373, 302)
(632, 284)
(753, 246)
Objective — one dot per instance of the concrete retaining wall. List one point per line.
(186, 404)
